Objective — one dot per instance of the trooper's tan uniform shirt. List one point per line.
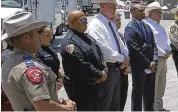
(20, 90)
(173, 34)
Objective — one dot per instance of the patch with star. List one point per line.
(173, 29)
(34, 74)
(70, 48)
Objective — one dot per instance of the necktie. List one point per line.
(143, 28)
(115, 37)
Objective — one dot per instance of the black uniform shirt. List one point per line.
(49, 58)
(82, 58)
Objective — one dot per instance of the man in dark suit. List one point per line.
(143, 59)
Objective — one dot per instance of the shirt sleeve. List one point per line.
(161, 52)
(168, 45)
(35, 91)
(99, 35)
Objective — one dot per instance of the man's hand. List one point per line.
(103, 78)
(152, 70)
(153, 65)
(166, 56)
(124, 63)
(70, 104)
(127, 70)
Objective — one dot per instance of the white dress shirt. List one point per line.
(99, 29)
(161, 37)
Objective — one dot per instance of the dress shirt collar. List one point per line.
(137, 20)
(152, 21)
(103, 18)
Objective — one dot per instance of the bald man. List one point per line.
(143, 59)
(83, 63)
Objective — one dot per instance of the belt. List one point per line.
(113, 65)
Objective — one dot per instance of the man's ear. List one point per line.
(26, 38)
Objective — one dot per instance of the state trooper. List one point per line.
(173, 35)
(27, 82)
(83, 63)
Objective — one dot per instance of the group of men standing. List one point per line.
(96, 63)
(146, 50)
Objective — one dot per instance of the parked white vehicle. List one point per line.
(42, 10)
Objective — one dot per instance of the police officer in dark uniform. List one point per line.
(47, 53)
(83, 63)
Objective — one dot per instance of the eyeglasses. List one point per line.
(83, 20)
(158, 12)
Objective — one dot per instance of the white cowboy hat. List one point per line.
(20, 23)
(152, 6)
(105, 1)
(174, 10)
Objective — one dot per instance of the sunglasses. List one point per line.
(158, 12)
(83, 20)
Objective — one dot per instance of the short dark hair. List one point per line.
(135, 6)
(41, 30)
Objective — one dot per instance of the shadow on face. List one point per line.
(29, 41)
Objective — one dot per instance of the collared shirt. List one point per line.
(50, 58)
(160, 35)
(83, 53)
(137, 20)
(141, 25)
(99, 29)
(18, 87)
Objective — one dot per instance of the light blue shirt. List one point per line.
(161, 37)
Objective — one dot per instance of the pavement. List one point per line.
(170, 98)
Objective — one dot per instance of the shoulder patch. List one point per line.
(173, 29)
(70, 48)
(34, 74)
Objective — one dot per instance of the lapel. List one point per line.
(142, 33)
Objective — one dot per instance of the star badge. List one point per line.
(34, 74)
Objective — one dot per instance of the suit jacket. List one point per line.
(142, 47)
